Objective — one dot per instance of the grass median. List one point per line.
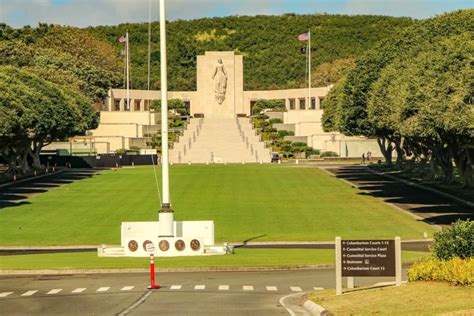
(242, 258)
(417, 298)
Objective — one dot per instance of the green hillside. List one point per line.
(272, 56)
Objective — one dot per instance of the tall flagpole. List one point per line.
(309, 70)
(128, 74)
(149, 41)
(166, 213)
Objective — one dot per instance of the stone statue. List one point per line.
(220, 81)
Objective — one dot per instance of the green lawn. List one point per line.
(417, 298)
(282, 258)
(266, 202)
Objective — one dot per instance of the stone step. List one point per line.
(223, 138)
(110, 251)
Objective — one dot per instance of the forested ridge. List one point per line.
(272, 53)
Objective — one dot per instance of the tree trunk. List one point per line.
(23, 162)
(444, 160)
(399, 149)
(386, 148)
(34, 154)
(463, 164)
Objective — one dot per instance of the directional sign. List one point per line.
(368, 258)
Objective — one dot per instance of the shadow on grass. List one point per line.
(433, 208)
(244, 243)
(16, 194)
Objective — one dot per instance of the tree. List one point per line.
(35, 113)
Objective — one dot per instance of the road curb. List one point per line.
(163, 270)
(419, 186)
(315, 309)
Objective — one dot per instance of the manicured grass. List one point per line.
(260, 202)
(418, 298)
(241, 258)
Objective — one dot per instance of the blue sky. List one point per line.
(105, 12)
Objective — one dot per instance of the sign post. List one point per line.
(367, 258)
(338, 267)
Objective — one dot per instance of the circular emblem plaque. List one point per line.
(145, 243)
(180, 245)
(164, 245)
(132, 245)
(195, 244)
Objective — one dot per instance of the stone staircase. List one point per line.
(220, 140)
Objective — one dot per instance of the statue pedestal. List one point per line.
(191, 238)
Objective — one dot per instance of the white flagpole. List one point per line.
(166, 213)
(128, 75)
(149, 41)
(309, 70)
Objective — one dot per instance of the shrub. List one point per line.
(275, 121)
(284, 133)
(456, 271)
(455, 241)
(329, 154)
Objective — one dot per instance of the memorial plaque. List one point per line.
(368, 258)
(132, 245)
(179, 245)
(195, 244)
(164, 245)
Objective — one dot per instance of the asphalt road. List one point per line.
(186, 293)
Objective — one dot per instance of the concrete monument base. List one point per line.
(191, 238)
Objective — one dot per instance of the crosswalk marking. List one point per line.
(127, 288)
(269, 288)
(54, 291)
(5, 294)
(78, 290)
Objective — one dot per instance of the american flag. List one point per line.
(122, 39)
(303, 37)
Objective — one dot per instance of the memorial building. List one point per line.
(220, 130)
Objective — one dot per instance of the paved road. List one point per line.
(193, 293)
(433, 208)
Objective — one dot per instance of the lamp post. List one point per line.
(166, 213)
